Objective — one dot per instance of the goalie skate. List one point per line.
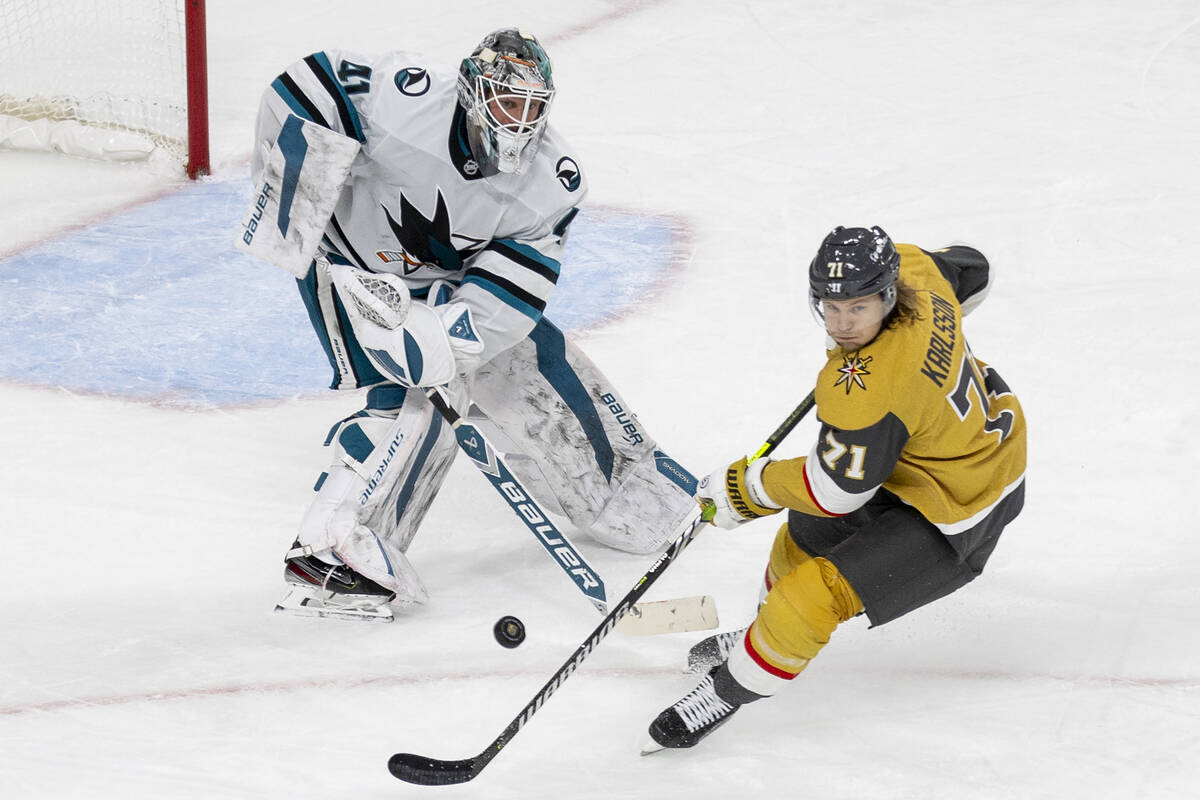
(318, 589)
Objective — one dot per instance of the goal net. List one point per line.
(114, 79)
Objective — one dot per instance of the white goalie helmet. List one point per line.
(506, 88)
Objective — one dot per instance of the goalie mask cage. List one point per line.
(113, 79)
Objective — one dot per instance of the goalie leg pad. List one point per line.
(389, 461)
(413, 483)
(605, 471)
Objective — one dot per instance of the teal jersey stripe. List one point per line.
(292, 101)
(346, 108)
(527, 256)
(510, 299)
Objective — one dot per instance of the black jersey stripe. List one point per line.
(484, 278)
(538, 267)
(561, 226)
(348, 119)
(301, 98)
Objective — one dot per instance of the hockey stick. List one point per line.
(647, 619)
(488, 460)
(427, 771)
(383, 302)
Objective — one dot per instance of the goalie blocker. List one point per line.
(302, 178)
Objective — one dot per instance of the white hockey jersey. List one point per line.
(416, 204)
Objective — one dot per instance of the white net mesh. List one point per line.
(110, 64)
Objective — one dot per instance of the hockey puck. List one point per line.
(509, 631)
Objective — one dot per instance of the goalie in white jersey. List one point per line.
(458, 193)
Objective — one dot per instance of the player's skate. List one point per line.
(713, 651)
(699, 713)
(316, 588)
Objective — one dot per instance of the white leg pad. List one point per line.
(384, 475)
(604, 470)
(383, 563)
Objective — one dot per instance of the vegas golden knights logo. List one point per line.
(852, 372)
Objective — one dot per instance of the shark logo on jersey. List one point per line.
(412, 81)
(567, 172)
(427, 242)
(852, 371)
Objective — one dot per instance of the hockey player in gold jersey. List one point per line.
(918, 466)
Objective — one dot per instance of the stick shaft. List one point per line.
(793, 419)
(430, 771)
(557, 546)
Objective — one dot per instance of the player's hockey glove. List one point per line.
(737, 494)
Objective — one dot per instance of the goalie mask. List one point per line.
(853, 263)
(506, 88)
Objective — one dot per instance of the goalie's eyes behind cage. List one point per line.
(514, 110)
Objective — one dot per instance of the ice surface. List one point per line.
(138, 653)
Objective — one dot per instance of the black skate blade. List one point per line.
(426, 771)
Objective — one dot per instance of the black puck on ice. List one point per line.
(509, 631)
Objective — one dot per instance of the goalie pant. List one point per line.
(567, 435)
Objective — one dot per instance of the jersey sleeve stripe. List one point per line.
(285, 86)
(320, 66)
(507, 291)
(808, 487)
(561, 226)
(527, 257)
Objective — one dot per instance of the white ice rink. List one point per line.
(142, 538)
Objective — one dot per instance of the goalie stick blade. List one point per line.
(425, 771)
(680, 615)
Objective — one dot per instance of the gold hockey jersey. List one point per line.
(914, 412)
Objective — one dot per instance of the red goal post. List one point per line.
(122, 80)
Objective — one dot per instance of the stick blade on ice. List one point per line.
(426, 771)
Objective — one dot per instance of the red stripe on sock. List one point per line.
(762, 662)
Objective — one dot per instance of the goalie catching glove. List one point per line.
(415, 344)
(737, 493)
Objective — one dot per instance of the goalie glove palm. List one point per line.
(736, 493)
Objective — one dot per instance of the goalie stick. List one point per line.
(664, 616)
(379, 304)
(487, 459)
(427, 771)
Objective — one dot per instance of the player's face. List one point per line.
(854, 323)
(515, 110)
